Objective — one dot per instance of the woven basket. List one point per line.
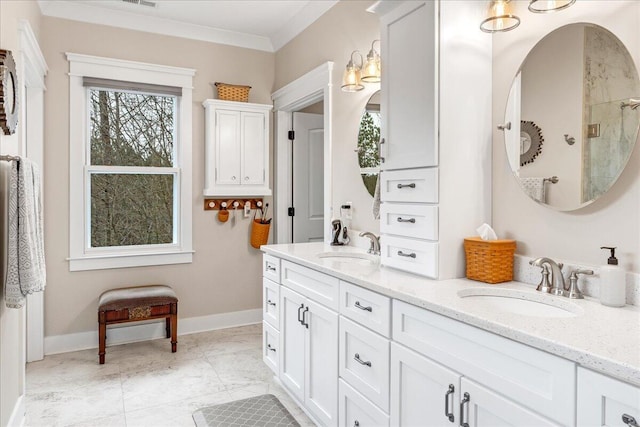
(489, 261)
(259, 233)
(229, 92)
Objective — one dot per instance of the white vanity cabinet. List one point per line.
(236, 148)
(604, 401)
(436, 133)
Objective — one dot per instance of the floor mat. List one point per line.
(264, 411)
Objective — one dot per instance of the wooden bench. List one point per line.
(135, 304)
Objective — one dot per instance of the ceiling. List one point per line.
(256, 24)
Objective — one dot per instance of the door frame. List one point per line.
(312, 87)
(34, 69)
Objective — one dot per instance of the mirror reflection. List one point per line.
(369, 142)
(574, 114)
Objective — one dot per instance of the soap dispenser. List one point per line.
(612, 281)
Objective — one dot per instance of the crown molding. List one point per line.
(83, 12)
(307, 16)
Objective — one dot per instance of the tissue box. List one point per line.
(489, 261)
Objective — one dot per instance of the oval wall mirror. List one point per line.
(369, 143)
(578, 87)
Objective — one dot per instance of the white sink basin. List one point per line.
(350, 257)
(526, 303)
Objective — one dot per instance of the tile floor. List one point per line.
(144, 384)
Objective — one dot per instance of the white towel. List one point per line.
(376, 199)
(534, 187)
(25, 256)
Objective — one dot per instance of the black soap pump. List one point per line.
(612, 281)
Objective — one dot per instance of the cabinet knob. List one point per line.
(233, 178)
(246, 178)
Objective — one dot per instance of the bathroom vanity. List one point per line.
(357, 344)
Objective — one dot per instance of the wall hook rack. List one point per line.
(230, 203)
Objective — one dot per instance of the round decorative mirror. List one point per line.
(579, 85)
(369, 143)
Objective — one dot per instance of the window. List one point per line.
(130, 164)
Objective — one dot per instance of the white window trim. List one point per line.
(106, 68)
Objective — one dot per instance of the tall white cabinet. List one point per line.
(236, 148)
(436, 130)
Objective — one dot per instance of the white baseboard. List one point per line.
(17, 415)
(143, 332)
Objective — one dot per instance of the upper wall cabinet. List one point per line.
(236, 148)
(410, 86)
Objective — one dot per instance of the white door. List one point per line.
(227, 147)
(253, 146)
(485, 408)
(603, 401)
(292, 345)
(321, 374)
(423, 393)
(308, 177)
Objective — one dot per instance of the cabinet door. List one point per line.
(409, 107)
(423, 393)
(292, 345)
(253, 148)
(227, 147)
(603, 401)
(481, 407)
(321, 374)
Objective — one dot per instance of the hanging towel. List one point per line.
(534, 187)
(376, 199)
(25, 255)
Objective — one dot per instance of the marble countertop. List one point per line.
(604, 339)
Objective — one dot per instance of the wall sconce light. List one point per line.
(499, 17)
(351, 81)
(545, 6)
(371, 71)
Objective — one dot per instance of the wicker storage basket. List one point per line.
(489, 261)
(259, 233)
(229, 92)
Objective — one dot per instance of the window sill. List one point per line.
(103, 262)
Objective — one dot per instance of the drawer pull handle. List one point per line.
(301, 320)
(412, 185)
(269, 302)
(361, 307)
(447, 411)
(465, 401)
(411, 220)
(360, 361)
(356, 423)
(411, 255)
(270, 268)
(629, 420)
(271, 348)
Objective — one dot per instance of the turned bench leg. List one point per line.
(174, 327)
(102, 336)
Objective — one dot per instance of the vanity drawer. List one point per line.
(409, 185)
(270, 346)
(355, 410)
(364, 362)
(365, 307)
(541, 381)
(418, 221)
(271, 302)
(312, 284)
(416, 256)
(271, 267)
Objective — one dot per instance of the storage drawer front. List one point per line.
(364, 362)
(271, 302)
(271, 267)
(416, 256)
(418, 221)
(409, 185)
(312, 284)
(356, 410)
(539, 380)
(368, 308)
(270, 346)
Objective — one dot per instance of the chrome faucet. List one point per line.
(374, 249)
(574, 292)
(557, 286)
